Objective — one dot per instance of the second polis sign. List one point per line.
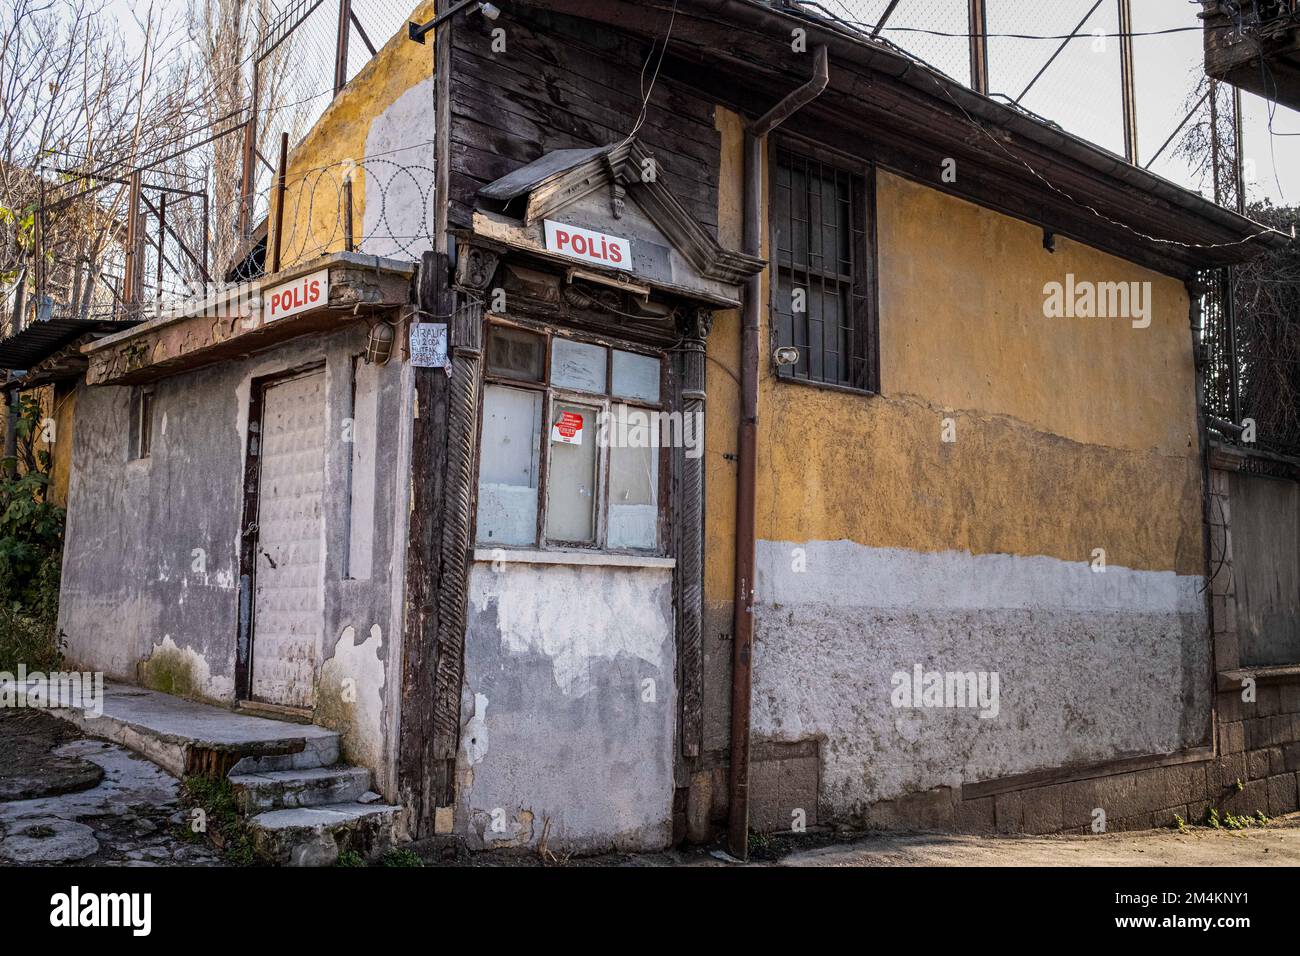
(586, 245)
(299, 295)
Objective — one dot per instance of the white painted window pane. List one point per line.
(633, 497)
(636, 376)
(571, 478)
(508, 466)
(578, 365)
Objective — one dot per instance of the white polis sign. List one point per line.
(586, 245)
(290, 298)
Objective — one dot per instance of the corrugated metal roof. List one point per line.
(42, 339)
(526, 178)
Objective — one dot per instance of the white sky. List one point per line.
(1080, 90)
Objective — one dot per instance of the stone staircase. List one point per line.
(303, 807)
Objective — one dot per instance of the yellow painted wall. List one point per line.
(65, 402)
(313, 207)
(57, 404)
(1072, 434)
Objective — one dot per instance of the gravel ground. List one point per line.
(68, 799)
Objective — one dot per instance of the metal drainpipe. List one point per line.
(746, 479)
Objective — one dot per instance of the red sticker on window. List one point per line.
(568, 429)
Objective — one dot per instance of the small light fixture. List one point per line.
(379, 344)
(1049, 240)
(786, 355)
(418, 31)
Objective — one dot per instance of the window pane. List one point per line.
(633, 498)
(571, 477)
(146, 423)
(516, 354)
(820, 206)
(578, 365)
(636, 376)
(508, 467)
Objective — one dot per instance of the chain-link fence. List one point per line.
(1251, 347)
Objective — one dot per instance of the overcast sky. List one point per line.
(1081, 89)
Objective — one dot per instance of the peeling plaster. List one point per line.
(563, 654)
(350, 696)
(536, 612)
(1092, 666)
(475, 734)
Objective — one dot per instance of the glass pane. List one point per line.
(636, 376)
(516, 354)
(633, 498)
(508, 467)
(571, 478)
(578, 365)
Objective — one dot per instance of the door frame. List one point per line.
(245, 638)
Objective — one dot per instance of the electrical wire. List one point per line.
(646, 93)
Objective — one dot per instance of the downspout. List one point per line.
(747, 476)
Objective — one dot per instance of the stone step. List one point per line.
(186, 737)
(291, 789)
(315, 836)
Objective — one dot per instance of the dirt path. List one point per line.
(1277, 844)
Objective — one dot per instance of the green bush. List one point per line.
(31, 552)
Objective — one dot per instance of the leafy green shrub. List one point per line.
(31, 552)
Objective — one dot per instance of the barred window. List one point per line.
(823, 301)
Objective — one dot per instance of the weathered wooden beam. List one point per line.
(423, 777)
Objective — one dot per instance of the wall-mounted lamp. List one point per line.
(1049, 240)
(417, 31)
(786, 355)
(379, 344)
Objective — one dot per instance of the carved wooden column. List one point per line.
(474, 273)
(694, 328)
(439, 555)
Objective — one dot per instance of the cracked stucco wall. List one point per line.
(570, 708)
(882, 546)
(134, 603)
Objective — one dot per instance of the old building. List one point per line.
(817, 440)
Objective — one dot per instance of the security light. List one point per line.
(417, 31)
(379, 344)
(786, 355)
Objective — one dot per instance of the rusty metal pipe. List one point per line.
(747, 470)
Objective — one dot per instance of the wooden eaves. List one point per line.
(887, 108)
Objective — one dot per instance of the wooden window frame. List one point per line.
(606, 401)
(864, 276)
(140, 425)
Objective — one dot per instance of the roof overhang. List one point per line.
(42, 341)
(888, 108)
(248, 317)
(606, 191)
(1262, 57)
